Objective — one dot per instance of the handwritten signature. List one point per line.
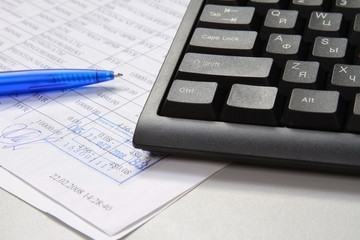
(18, 135)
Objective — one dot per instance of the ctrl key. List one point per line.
(314, 109)
(192, 99)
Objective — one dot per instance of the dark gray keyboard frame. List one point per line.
(240, 142)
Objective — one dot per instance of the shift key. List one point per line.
(228, 69)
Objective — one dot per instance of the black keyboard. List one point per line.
(262, 81)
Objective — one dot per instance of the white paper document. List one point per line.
(74, 146)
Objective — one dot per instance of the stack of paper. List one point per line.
(69, 153)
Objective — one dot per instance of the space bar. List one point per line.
(250, 70)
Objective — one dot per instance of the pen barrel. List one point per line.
(82, 77)
(14, 82)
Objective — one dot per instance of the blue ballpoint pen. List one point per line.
(25, 81)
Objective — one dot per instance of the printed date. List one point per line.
(81, 192)
(66, 183)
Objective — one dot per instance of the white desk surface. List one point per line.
(239, 202)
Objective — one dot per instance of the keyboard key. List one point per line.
(229, 17)
(283, 47)
(223, 2)
(306, 7)
(252, 104)
(190, 99)
(346, 79)
(357, 56)
(355, 31)
(353, 122)
(262, 6)
(280, 21)
(329, 51)
(227, 69)
(221, 41)
(324, 24)
(301, 74)
(314, 109)
(348, 7)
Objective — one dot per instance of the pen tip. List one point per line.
(118, 75)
